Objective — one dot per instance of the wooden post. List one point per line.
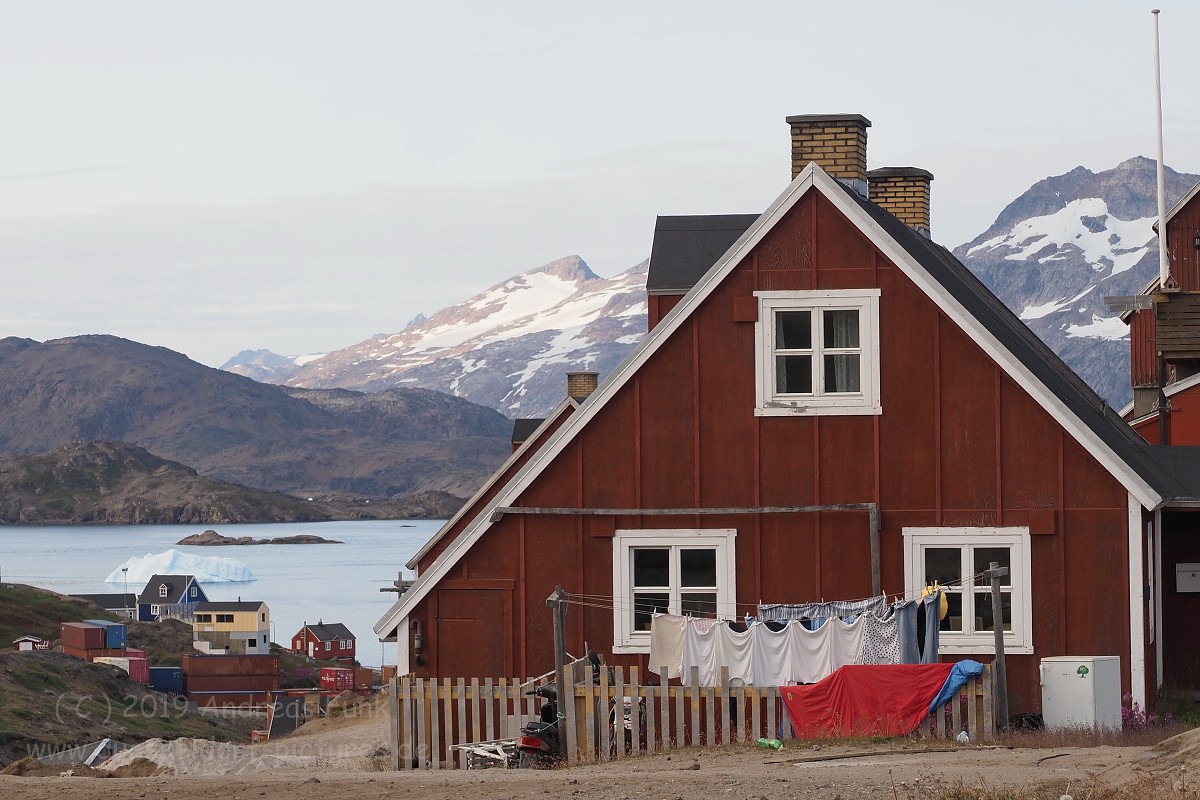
(555, 602)
(994, 573)
(394, 708)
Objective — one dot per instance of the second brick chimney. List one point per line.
(904, 191)
(837, 142)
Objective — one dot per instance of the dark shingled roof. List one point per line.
(686, 247)
(229, 605)
(524, 428)
(328, 631)
(176, 586)
(107, 601)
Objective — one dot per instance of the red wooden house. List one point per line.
(1164, 341)
(827, 405)
(330, 641)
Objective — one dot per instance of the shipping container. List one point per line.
(134, 653)
(230, 665)
(114, 632)
(88, 655)
(82, 636)
(231, 683)
(166, 679)
(139, 670)
(337, 679)
(386, 673)
(364, 678)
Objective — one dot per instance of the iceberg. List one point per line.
(206, 569)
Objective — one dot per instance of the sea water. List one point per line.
(298, 582)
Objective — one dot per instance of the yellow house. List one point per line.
(232, 628)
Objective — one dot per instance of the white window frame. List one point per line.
(162, 590)
(625, 639)
(1018, 640)
(768, 402)
(154, 610)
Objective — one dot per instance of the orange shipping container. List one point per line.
(364, 678)
(82, 636)
(230, 665)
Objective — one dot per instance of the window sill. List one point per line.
(984, 649)
(632, 648)
(818, 411)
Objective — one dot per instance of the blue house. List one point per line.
(169, 597)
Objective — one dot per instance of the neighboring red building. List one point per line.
(324, 641)
(827, 406)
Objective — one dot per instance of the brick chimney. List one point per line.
(904, 191)
(837, 142)
(582, 383)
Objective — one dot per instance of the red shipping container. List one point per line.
(82, 636)
(337, 679)
(88, 655)
(139, 670)
(134, 653)
(231, 683)
(387, 672)
(230, 665)
(364, 678)
(218, 699)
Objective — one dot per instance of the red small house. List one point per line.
(827, 405)
(324, 641)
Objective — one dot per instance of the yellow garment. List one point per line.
(944, 606)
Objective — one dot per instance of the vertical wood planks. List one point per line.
(395, 707)
(616, 716)
(602, 717)
(635, 710)
(694, 686)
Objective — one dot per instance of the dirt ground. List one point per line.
(343, 757)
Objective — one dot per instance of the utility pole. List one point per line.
(994, 573)
(555, 602)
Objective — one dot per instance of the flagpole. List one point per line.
(1164, 263)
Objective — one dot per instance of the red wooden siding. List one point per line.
(1181, 244)
(958, 443)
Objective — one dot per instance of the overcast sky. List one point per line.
(299, 176)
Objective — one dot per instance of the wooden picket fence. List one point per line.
(437, 724)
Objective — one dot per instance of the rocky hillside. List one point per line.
(508, 348)
(1055, 252)
(105, 482)
(386, 445)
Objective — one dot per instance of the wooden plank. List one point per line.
(956, 714)
(408, 730)
(502, 715)
(460, 734)
(635, 710)
(652, 693)
(435, 728)
(603, 752)
(756, 713)
(618, 715)
(419, 753)
(476, 708)
(489, 703)
(589, 712)
(393, 689)
(567, 707)
(725, 696)
(710, 725)
(694, 696)
(664, 708)
(681, 737)
(772, 727)
(989, 722)
(973, 689)
(739, 699)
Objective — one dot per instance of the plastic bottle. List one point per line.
(770, 744)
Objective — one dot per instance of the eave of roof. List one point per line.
(943, 278)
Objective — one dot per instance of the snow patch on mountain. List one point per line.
(1106, 242)
(206, 569)
(1110, 328)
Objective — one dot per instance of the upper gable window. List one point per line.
(818, 352)
(162, 590)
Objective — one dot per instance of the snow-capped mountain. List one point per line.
(265, 366)
(508, 348)
(1059, 249)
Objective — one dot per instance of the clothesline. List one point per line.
(611, 602)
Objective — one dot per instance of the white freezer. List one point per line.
(1081, 692)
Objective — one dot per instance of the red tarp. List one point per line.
(866, 700)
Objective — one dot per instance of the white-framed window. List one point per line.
(194, 591)
(817, 352)
(680, 571)
(154, 610)
(162, 590)
(956, 558)
(327, 647)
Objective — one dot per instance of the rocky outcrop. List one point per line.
(211, 538)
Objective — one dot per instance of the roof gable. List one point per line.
(177, 586)
(328, 631)
(936, 272)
